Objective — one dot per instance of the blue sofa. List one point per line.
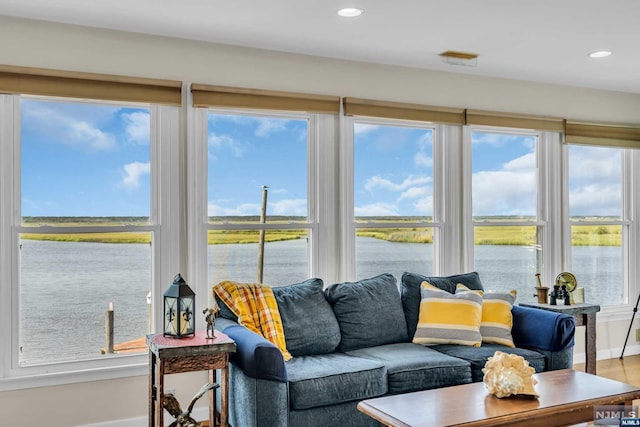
(352, 341)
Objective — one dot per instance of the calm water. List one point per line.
(67, 286)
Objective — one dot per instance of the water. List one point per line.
(67, 286)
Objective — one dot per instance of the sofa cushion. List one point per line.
(410, 291)
(369, 312)
(412, 367)
(449, 318)
(497, 319)
(328, 379)
(310, 327)
(478, 356)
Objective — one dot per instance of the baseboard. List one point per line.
(201, 413)
(611, 353)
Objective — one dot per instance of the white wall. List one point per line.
(46, 45)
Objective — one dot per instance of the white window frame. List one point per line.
(445, 144)
(164, 224)
(321, 222)
(548, 211)
(630, 223)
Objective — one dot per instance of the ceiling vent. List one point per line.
(459, 58)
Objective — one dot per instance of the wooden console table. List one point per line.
(197, 353)
(585, 315)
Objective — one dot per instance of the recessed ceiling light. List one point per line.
(350, 12)
(600, 54)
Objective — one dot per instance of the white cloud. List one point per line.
(70, 124)
(138, 127)
(84, 133)
(422, 160)
(224, 142)
(504, 193)
(133, 172)
(268, 126)
(240, 210)
(378, 182)
(295, 207)
(362, 128)
(524, 163)
(415, 193)
(376, 209)
(595, 200)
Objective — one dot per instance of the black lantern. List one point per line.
(179, 309)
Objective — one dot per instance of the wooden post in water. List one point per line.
(263, 219)
(108, 329)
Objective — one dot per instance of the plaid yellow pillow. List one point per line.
(449, 318)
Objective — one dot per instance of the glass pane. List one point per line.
(597, 260)
(235, 254)
(84, 160)
(393, 250)
(393, 173)
(504, 177)
(595, 183)
(65, 290)
(508, 258)
(247, 153)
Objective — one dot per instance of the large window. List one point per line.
(260, 220)
(507, 250)
(84, 222)
(393, 164)
(599, 231)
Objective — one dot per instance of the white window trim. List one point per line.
(321, 194)
(443, 232)
(165, 261)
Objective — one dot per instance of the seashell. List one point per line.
(509, 374)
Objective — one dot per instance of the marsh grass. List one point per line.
(582, 235)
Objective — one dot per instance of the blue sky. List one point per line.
(93, 160)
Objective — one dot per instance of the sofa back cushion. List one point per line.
(410, 290)
(369, 312)
(310, 326)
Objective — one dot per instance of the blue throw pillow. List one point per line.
(369, 312)
(410, 291)
(310, 327)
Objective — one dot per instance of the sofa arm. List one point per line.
(254, 355)
(542, 329)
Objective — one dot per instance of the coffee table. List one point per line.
(566, 397)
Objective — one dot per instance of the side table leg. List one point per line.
(152, 389)
(224, 393)
(589, 320)
(159, 417)
(212, 398)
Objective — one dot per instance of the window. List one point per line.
(260, 216)
(393, 193)
(84, 227)
(507, 228)
(599, 229)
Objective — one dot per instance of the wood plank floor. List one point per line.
(626, 370)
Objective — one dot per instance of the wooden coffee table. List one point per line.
(566, 397)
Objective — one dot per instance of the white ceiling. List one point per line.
(537, 40)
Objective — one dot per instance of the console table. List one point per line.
(585, 315)
(195, 353)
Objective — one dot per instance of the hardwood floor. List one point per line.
(626, 370)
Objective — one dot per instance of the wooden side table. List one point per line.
(585, 315)
(197, 353)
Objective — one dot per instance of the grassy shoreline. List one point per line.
(583, 235)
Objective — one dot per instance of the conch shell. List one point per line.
(509, 374)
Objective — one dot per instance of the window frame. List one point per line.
(444, 139)
(548, 210)
(629, 222)
(321, 194)
(163, 224)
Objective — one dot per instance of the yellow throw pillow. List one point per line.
(497, 319)
(449, 318)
